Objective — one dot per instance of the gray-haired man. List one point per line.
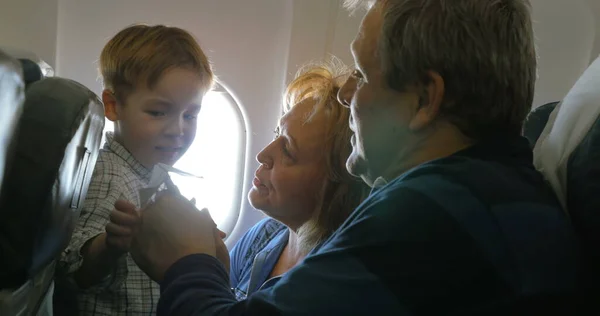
(459, 221)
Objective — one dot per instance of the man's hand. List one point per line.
(172, 228)
(222, 253)
(124, 223)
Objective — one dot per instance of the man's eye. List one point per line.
(357, 75)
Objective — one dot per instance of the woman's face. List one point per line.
(292, 167)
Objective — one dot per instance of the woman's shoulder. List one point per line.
(252, 242)
(257, 237)
(268, 227)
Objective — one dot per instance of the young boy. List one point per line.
(154, 80)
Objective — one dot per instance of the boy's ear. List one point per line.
(110, 105)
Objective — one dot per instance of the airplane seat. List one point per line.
(57, 145)
(11, 107)
(568, 154)
(31, 71)
(536, 121)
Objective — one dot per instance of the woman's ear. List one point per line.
(431, 95)
(110, 105)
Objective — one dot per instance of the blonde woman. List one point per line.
(301, 184)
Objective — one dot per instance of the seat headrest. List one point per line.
(57, 146)
(536, 121)
(567, 126)
(22, 54)
(11, 106)
(32, 72)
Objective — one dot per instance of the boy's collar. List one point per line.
(123, 153)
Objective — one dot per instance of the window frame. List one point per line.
(234, 216)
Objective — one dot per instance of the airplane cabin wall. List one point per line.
(595, 9)
(320, 29)
(256, 46)
(565, 35)
(29, 25)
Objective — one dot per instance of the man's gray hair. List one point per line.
(353, 5)
(483, 49)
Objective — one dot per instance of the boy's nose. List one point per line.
(175, 128)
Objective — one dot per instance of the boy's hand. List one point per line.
(124, 223)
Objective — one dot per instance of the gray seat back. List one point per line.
(57, 145)
(11, 107)
(568, 153)
(536, 121)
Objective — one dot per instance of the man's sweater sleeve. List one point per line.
(377, 256)
(198, 285)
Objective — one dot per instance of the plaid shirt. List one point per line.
(127, 290)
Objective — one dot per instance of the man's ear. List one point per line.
(431, 94)
(110, 105)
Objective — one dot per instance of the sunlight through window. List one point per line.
(218, 155)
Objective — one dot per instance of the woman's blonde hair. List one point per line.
(341, 193)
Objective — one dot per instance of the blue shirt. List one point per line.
(254, 256)
(476, 233)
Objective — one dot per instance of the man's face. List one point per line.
(380, 116)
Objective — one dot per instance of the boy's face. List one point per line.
(158, 125)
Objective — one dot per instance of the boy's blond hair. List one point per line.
(140, 54)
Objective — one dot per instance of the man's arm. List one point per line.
(197, 285)
(390, 257)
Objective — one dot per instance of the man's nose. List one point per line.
(346, 93)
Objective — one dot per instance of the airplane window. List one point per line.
(218, 155)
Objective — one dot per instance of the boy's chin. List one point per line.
(168, 162)
(169, 158)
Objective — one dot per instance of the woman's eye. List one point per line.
(286, 151)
